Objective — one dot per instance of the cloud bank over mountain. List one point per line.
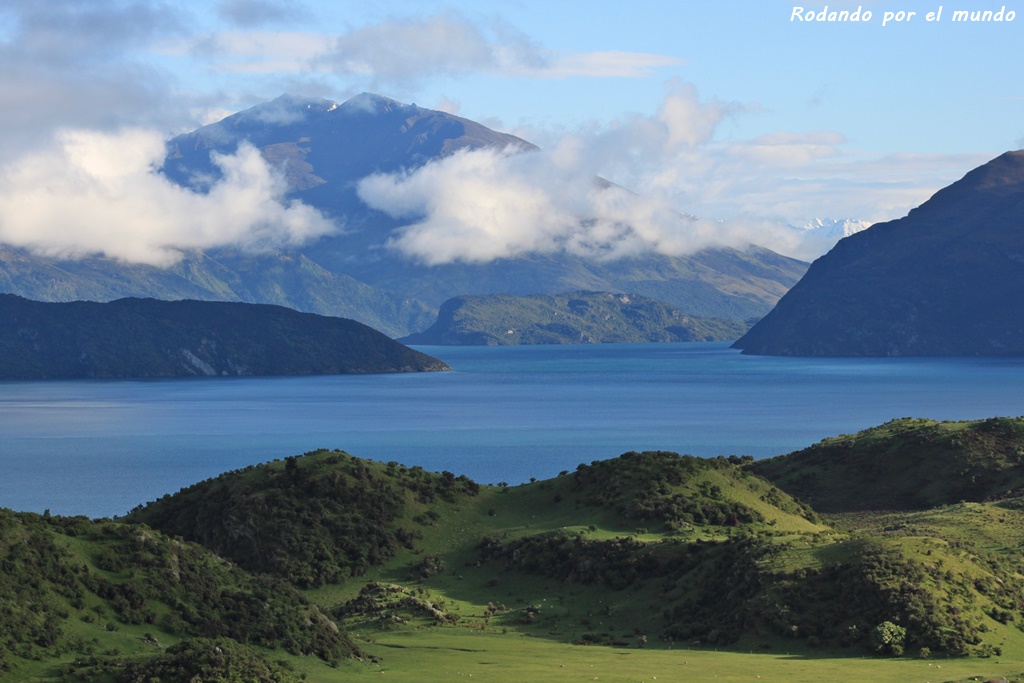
(102, 68)
(487, 204)
(101, 194)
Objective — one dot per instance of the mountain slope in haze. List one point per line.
(323, 149)
(715, 283)
(282, 279)
(150, 338)
(326, 148)
(572, 318)
(946, 280)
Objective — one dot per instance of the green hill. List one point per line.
(150, 338)
(320, 518)
(572, 318)
(648, 547)
(327, 516)
(654, 555)
(905, 464)
(102, 590)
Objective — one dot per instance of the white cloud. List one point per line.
(251, 13)
(688, 121)
(448, 105)
(253, 52)
(483, 205)
(608, 64)
(403, 50)
(87, 64)
(400, 52)
(101, 194)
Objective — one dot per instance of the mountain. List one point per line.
(945, 280)
(283, 279)
(819, 235)
(150, 338)
(572, 318)
(834, 228)
(324, 149)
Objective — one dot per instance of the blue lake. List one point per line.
(504, 414)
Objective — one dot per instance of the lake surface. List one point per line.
(504, 414)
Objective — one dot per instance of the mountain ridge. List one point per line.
(943, 280)
(323, 149)
(569, 318)
(151, 338)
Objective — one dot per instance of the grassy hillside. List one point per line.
(572, 318)
(648, 549)
(97, 592)
(320, 518)
(659, 559)
(905, 464)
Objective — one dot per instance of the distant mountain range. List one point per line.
(150, 338)
(571, 318)
(946, 280)
(324, 149)
(835, 228)
(819, 235)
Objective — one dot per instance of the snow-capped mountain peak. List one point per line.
(836, 227)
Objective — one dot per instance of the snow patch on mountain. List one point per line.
(835, 227)
(819, 235)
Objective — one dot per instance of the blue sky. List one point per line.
(766, 118)
(916, 86)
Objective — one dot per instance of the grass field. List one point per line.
(411, 655)
(450, 654)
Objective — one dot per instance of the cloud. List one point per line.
(482, 205)
(251, 13)
(253, 51)
(489, 204)
(71, 63)
(608, 64)
(448, 105)
(97, 193)
(402, 52)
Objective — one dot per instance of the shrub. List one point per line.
(888, 638)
